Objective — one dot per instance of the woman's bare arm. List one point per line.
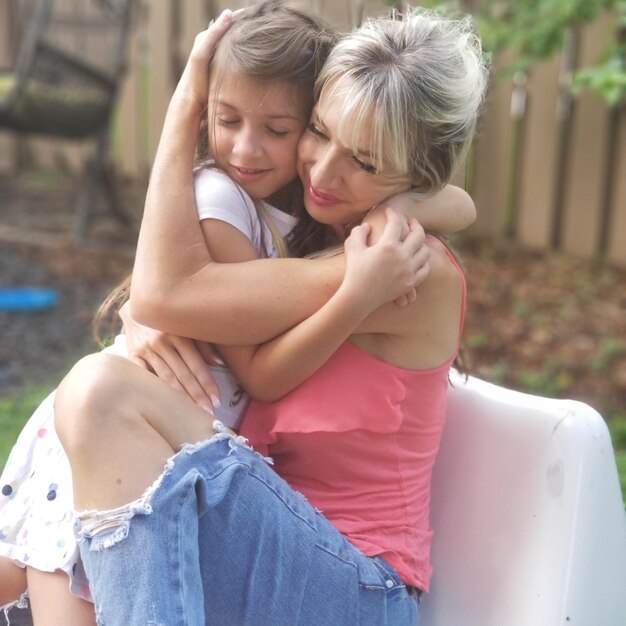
(176, 286)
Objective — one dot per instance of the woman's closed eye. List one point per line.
(366, 167)
(311, 127)
(362, 165)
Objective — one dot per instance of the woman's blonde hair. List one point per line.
(423, 76)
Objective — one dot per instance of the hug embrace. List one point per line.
(257, 447)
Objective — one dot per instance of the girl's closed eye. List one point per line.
(223, 121)
(278, 133)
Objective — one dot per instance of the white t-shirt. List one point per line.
(218, 197)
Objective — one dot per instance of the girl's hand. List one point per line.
(450, 210)
(391, 268)
(194, 82)
(180, 362)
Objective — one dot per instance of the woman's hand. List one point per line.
(180, 362)
(194, 82)
(390, 268)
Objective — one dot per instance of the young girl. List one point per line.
(260, 103)
(218, 537)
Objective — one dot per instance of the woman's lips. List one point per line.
(323, 199)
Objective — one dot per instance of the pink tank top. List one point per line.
(359, 439)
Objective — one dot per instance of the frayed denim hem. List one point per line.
(108, 527)
(20, 603)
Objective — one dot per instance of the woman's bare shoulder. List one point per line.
(429, 327)
(445, 277)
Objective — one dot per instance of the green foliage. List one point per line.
(607, 80)
(534, 30)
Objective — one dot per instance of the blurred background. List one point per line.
(83, 90)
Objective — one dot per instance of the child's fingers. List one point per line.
(393, 231)
(223, 20)
(421, 275)
(416, 236)
(407, 298)
(421, 256)
(402, 300)
(358, 238)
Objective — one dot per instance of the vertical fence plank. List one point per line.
(8, 140)
(490, 159)
(220, 5)
(193, 19)
(617, 237)
(160, 78)
(538, 169)
(585, 173)
(128, 143)
(374, 9)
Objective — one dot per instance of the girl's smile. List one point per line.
(250, 175)
(254, 128)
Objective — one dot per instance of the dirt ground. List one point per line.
(546, 323)
(36, 251)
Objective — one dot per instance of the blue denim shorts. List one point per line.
(221, 539)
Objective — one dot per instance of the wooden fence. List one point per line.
(546, 170)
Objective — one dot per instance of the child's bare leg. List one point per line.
(52, 603)
(12, 581)
(119, 424)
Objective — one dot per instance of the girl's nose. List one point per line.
(246, 143)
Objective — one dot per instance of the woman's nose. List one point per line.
(324, 172)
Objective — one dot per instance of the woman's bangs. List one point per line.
(356, 126)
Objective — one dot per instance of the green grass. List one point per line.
(620, 457)
(14, 412)
(617, 426)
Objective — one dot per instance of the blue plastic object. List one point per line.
(22, 299)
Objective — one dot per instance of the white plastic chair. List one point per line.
(530, 528)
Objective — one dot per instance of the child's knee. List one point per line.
(86, 396)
